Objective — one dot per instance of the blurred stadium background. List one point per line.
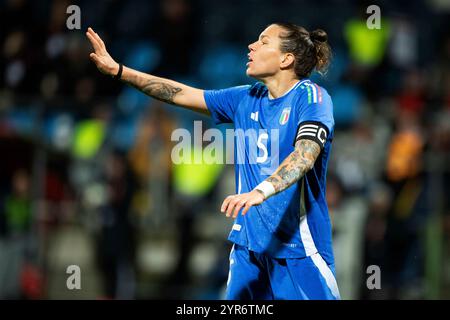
(85, 171)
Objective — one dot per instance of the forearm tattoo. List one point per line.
(155, 88)
(295, 166)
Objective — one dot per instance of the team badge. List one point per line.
(285, 115)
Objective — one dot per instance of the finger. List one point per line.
(225, 203)
(92, 32)
(93, 41)
(248, 205)
(99, 40)
(231, 206)
(238, 208)
(94, 58)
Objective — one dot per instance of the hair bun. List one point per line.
(319, 35)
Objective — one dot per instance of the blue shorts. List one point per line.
(256, 276)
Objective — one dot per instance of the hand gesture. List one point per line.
(104, 62)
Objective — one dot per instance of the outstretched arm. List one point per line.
(159, 88)
(292, 169)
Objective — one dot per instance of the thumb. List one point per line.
(94, 58)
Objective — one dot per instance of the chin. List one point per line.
(250, 73)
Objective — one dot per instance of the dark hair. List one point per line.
(311, 49)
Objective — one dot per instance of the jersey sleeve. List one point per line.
(222, 103)
(316, 120)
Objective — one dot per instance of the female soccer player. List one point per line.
(282, 238)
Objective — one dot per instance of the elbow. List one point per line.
(309, 167)
(308, 164)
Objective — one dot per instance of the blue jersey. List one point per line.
(295, 222)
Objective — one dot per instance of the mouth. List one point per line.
(250, 60)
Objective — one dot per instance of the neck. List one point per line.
(279, 85)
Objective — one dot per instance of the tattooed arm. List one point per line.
(295, 166)
(166, 90)
(159, 88)
(300, 161)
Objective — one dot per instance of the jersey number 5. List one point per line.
(262, 147)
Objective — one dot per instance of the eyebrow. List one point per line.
(262, 36)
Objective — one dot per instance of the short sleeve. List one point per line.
(315, 119)
(222, 103)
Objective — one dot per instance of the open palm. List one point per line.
(104, 62)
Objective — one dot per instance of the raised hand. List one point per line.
(104, 62)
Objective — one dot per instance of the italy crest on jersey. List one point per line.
(285, 115)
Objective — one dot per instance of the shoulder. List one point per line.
(231, 93)
(312, 93)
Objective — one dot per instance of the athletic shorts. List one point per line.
(256, 276)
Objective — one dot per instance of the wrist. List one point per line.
(266, 189)
(260, 192)
(117, 72)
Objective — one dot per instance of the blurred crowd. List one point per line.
(86, 176)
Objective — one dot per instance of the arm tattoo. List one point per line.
(155, 88)
(273, 180)
(295, 166)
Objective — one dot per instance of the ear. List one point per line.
(287, 59)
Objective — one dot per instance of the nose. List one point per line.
(251, 46)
